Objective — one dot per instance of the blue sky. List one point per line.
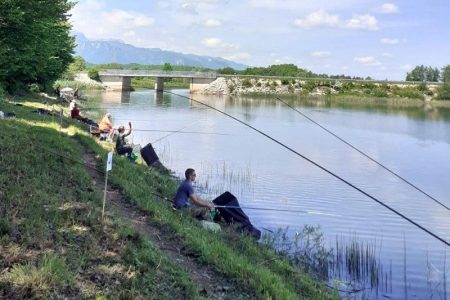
(381, 39)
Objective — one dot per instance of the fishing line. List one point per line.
(363, 153)
(177, 131)
(93, 167)
(319, 166)
(280, 210)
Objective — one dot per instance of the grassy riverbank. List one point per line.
(53, 244)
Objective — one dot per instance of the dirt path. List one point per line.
(209, 283)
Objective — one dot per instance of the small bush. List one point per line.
(408, 92)
(443, 92)
(231, 87)
(310, 85)
(34, 88)
(259, 84)
(422, 87)
(93, 74)
(247, 83)
(285, 81)
(291, 88)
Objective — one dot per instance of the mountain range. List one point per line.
(110, 51)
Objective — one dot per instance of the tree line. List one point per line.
(35, 42)
(284, 70)
(429, 74)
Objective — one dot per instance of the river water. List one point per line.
(412, 141)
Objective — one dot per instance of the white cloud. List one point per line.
(388, 8)
(212, 23)
(407, 67)
(387, 54)
(92, 19)
(389, 41)
(218, 43)
(369, 61)
(321, 53)
(319, 18)
(366, 22)
(322, 19)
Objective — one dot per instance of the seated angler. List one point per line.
(186, 198)
(105, 125)
(75, 112)
(122, 146)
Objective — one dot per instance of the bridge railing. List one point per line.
(157, 73)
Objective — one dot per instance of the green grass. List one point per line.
(77, 84)
(54, 182)
(52, 243)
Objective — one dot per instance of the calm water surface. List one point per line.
(414, 142)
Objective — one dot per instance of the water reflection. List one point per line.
(412, 139)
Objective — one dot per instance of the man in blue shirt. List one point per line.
(186, 198)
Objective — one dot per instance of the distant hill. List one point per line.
(102, 52)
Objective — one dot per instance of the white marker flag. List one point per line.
(109, 163)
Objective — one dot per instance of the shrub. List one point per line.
(291, 88)
(34, 88)
(443, 92)
(258, 84)
(422, 87)
(285, 81)
(247, 83)
(408, 92)
(93, 74)
(310, 85)
(379, 92)
(231, 87)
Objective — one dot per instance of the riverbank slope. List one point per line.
(54, 244)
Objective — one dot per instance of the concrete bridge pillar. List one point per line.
(117, 83)
(159, 84)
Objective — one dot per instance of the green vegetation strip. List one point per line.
(52, 244)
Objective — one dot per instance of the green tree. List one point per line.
(422, 73)
(227, 71)
(78, 65)
(35, 45)
(445, 74)
(167, 67)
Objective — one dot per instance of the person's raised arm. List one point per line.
(129, 129)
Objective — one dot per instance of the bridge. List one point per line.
(121, 79)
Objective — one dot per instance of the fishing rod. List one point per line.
(319, 166)
(279, 210)
(363, 153)
(178, 131)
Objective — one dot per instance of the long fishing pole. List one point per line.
(319, 166)
(279, 210)
(363, 153)
(175, 132)
(178, 131)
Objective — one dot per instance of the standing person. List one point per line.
(121, 144)
(186, 198)
(76, 94)
(58, 92)
(105, 125)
